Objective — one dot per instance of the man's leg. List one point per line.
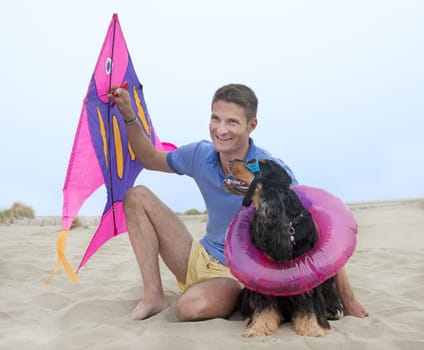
(154, 229)
(211, 298)
(352, 306)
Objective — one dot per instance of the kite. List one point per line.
(101, 153)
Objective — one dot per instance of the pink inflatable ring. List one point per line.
(335, 245)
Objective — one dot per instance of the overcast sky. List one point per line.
(340, 87)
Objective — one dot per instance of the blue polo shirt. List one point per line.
(201, 162)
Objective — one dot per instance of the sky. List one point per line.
(340, 87)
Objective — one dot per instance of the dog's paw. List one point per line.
(308, 327)
(311, 332)
(253, 332)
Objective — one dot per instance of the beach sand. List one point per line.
(386, 271)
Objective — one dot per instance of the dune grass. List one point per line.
(18, 210)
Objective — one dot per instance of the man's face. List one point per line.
(229, 129)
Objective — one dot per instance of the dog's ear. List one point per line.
(274, 172)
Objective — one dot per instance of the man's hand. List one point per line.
(121, 98)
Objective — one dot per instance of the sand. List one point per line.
(386, 271)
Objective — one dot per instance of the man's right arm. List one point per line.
(144, 150)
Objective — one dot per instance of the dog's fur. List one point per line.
(278, 208)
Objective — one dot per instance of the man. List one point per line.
(208, 288)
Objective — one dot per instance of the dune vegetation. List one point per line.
(17, 211)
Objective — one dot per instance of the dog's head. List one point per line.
(265, 175)
(281, 227)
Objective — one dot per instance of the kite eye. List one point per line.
(108, 65)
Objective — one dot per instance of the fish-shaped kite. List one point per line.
(101, 154)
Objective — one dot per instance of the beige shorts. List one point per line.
(202, 266)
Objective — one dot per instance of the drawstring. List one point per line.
(209, 261)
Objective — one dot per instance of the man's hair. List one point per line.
(241, 95)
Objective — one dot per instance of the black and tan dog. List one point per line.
(282, 229)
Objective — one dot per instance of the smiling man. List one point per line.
(208, 288)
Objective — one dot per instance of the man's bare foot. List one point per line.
(354, 308)
(145, 309)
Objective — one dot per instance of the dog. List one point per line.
(283, 229)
